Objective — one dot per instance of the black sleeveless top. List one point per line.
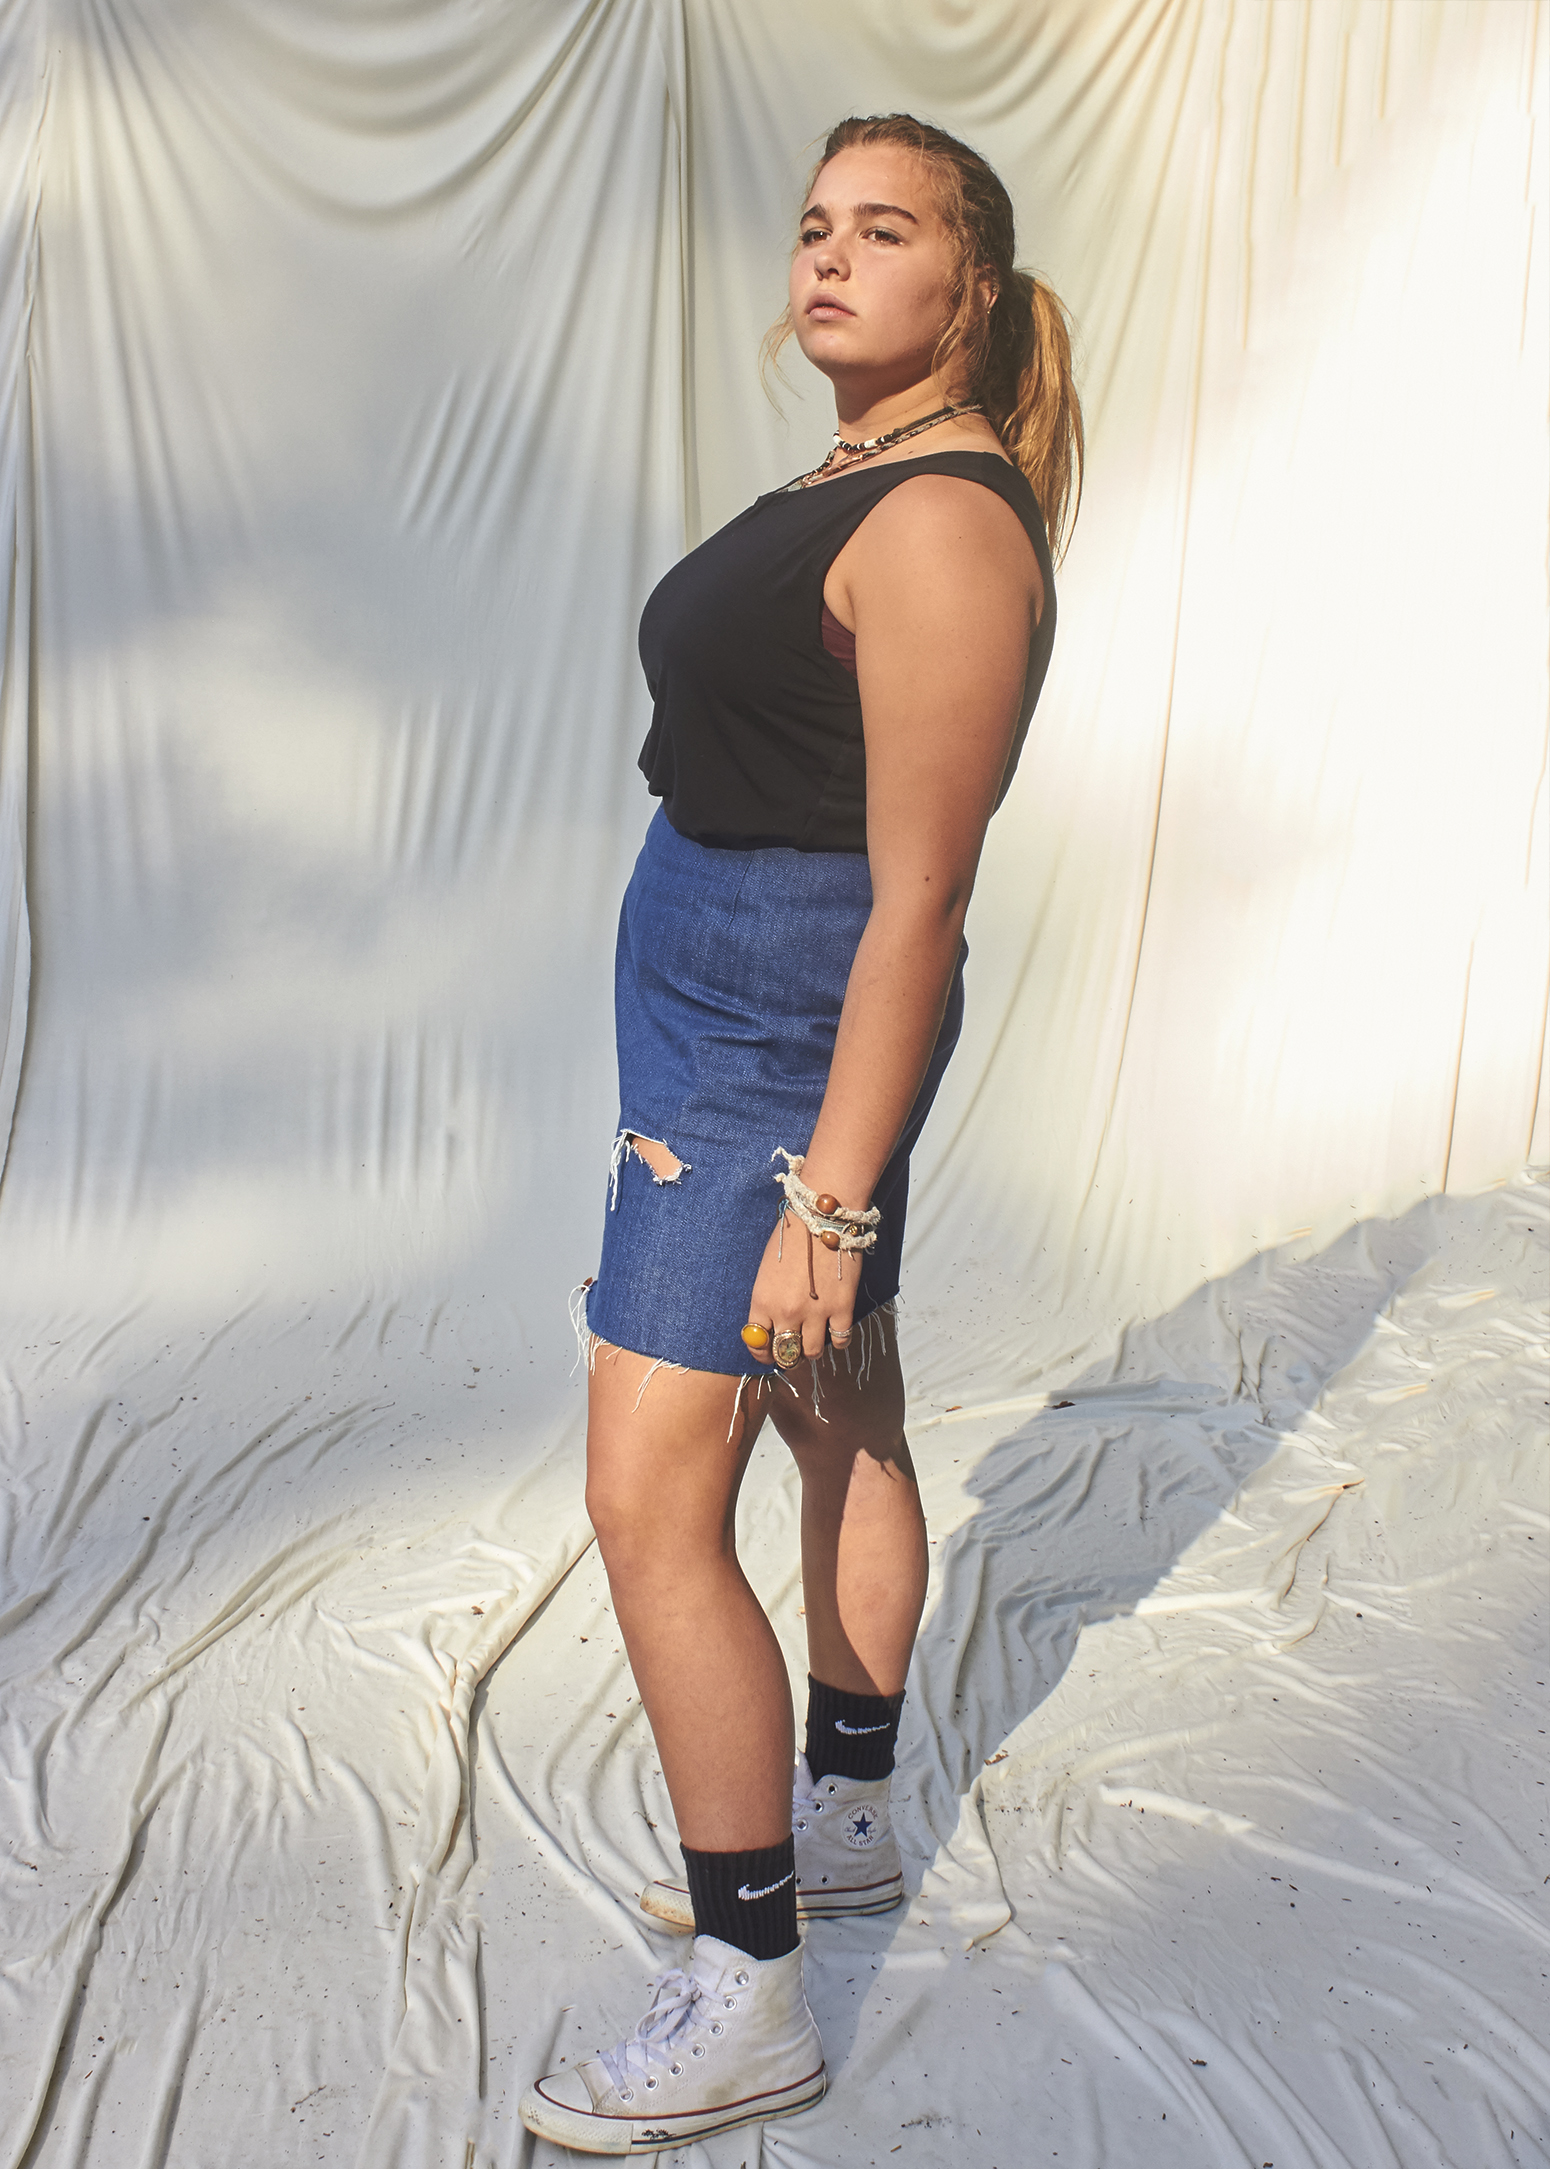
(756, 734)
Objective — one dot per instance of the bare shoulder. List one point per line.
(941, 505)
(946, 532)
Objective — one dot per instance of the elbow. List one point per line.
(933, 910)
(949, 910)
(953, 904)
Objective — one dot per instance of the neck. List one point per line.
(862, 412)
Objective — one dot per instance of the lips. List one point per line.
(827, 301)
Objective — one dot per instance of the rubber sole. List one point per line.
(669, 1903)
(849, 1905)
(618, 2136)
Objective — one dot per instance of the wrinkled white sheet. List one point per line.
(362, 369)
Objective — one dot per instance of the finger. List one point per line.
(788, 1344)
(841, 1308)
(758, 1336)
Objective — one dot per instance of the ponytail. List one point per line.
(1012, 352)
(1031, 399)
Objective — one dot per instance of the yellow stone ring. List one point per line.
(756, 1336)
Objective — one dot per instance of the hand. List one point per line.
(795, 1263)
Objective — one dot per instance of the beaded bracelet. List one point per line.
(837, 1226)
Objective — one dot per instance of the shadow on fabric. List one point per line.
(1092, 1503)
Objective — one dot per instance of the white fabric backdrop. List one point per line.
(364, 367)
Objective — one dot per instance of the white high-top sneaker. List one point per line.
(729, 2042)
(847, 1855)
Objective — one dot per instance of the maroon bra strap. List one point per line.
(840, 644)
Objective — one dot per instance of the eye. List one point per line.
(812, 233)
(882, 233)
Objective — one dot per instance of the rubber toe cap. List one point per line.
(560, 2107)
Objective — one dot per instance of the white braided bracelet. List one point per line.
(836, 1226)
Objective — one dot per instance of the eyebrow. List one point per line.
(863, 210)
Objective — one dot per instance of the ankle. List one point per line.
(747, 1899)
(850, 1735)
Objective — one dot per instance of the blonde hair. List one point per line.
(1012, 352)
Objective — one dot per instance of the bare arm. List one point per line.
(943, 588)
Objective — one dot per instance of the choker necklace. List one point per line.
(869, 447)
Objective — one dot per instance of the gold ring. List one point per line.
(756, 1336)
(788, 1349)
(840, 1340)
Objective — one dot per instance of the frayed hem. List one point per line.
(873, 1337)
(759, 1380)
(869, 1340)
(586, 1340)
(590, 1345)
(658, 1363)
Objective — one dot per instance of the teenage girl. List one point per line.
(843, 678)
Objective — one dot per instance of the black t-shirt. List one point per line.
(756, 735)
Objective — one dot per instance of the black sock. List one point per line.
(850, 1735)
(747, 1899)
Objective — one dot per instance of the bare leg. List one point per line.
(863, 1533)
(662, 1484)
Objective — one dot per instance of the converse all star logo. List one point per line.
(855, 1731)
(860, 1826)
(748, 1896)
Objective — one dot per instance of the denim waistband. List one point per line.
(721, 874)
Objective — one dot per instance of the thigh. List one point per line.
(666, 1447)
(858, 1417)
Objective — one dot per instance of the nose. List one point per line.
(828, 260)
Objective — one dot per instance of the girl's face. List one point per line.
(871, 277)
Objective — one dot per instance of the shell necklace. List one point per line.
(869, 447)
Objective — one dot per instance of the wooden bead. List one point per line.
(829, 1239)
(826, 1204)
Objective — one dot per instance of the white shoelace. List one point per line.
(675, 1996)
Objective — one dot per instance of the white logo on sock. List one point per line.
(841, 1726)
(748, 1895)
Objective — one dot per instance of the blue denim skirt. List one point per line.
(729, 978)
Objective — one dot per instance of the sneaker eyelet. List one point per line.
(677, 2070)
(718, 2028)
(817, 1807)
(627, 2093)
(741, 1979)
(698, 2049)
(651, 2086)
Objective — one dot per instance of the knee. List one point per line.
(644, 1530)
(621, 1516)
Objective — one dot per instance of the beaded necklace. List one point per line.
(869, 447)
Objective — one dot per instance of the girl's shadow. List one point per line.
(1085, 1507)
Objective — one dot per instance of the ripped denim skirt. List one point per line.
(729, 978)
